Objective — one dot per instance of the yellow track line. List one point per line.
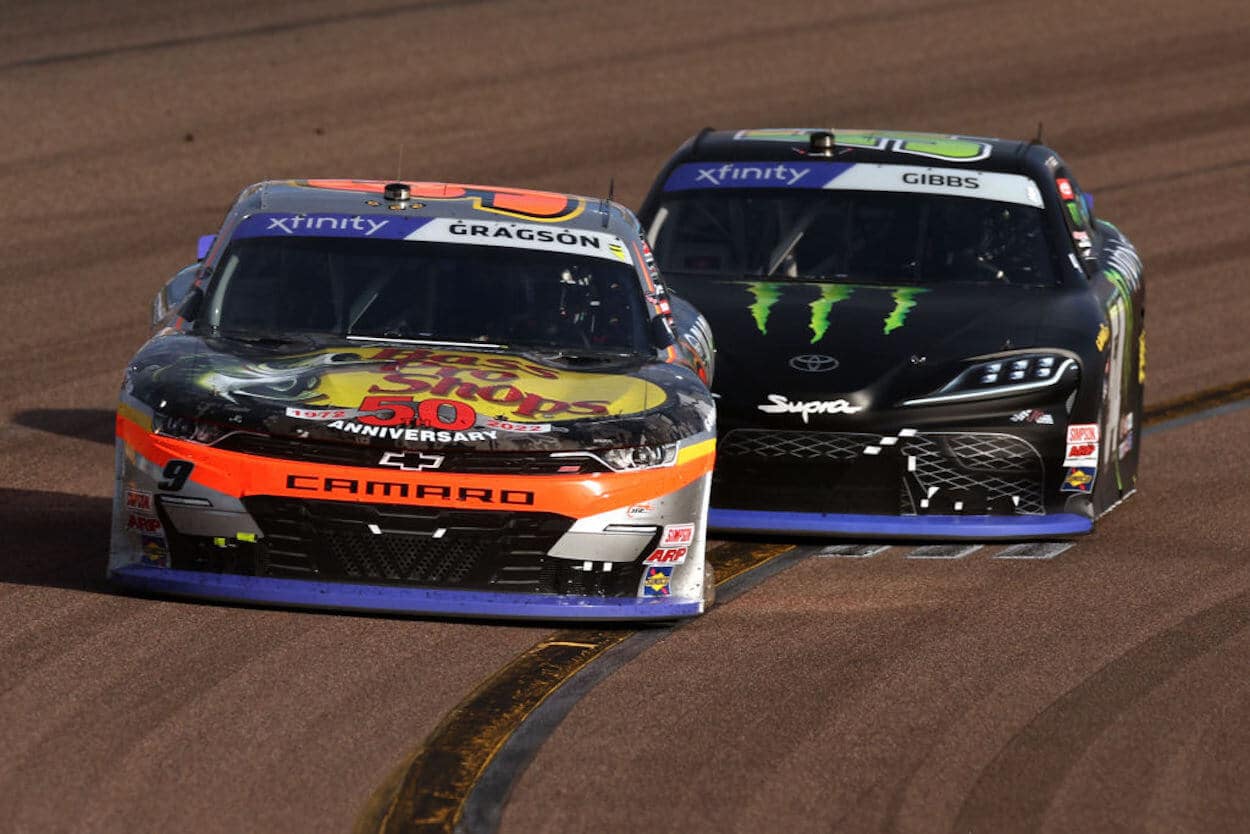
(427, 793)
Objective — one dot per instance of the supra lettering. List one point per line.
(778, 404)
(399, 489)
(781, 173)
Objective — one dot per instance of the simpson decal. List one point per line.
(677, 534)
(1083, 433)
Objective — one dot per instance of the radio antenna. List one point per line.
(399, 164)
(1037, 140)
(605, 204)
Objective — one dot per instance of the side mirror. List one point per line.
(174, 294)
(204, 246)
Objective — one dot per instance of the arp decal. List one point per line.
(1079, 479)
(1081, 454)
(656, 581)
(767, 293)
(666, 556)
(933, 146)
(523, 204)
(139, 523)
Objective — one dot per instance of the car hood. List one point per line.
(411, 397)
(870, 344)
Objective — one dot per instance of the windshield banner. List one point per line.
(848, 176)
(523, 236)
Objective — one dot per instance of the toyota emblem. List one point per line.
(813, 363)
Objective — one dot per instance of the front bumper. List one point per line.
(910, 527)
(344, 596)
(258, 529)
(971, 483)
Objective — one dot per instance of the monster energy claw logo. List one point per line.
(767, 293)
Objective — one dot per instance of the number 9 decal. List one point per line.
(176, 473)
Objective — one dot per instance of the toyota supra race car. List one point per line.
(419, 398)
(918, 335)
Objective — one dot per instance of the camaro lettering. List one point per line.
(780, 173)
(565, 238)
(291, 225)
(397, 489)
(942, 180)
(780, 405)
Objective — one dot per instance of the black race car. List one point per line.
(918, 335)
(419, 397)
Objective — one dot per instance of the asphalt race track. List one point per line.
(1104, 688)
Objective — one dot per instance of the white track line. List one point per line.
(852, 551)
(943, 551)
(1033, 550)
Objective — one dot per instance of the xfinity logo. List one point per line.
(813, 363)
(411, 461)
(291, 225)
(779, 173)
(778, 404)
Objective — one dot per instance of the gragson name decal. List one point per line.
(779, 404)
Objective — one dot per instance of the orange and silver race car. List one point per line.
(420, 398)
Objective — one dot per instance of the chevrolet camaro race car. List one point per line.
(918, 335)
(422, 398)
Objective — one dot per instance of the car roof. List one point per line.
(436, 199)
(872, 146)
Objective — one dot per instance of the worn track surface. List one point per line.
(1104, 689)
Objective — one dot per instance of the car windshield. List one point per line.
(269, 287)
(851, 236)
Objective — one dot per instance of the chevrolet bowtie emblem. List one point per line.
(411, 461)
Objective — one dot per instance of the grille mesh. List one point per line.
(984, 469)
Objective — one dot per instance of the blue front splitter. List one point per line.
(907, 526)
(398, 600)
